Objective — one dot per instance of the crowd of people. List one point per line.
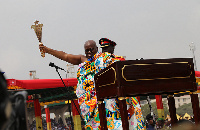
(161, 124)
(55, 125)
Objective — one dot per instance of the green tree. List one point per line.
(146, 110)
(186, 108)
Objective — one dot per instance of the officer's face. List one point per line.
(109, 49)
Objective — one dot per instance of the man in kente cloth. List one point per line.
(89, 65)
(134, 109)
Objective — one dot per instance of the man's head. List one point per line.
(90, 48)
(150, 120)
(107, 45)
(109, 49)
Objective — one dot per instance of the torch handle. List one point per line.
(42, 51)
(42, 54)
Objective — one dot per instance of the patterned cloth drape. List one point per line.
(86, 94)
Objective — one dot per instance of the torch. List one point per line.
(38, 31)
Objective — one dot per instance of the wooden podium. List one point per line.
(145, 77)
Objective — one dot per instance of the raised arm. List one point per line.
(73, 59)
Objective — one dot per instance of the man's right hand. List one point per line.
(43, 49)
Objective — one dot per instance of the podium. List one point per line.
(145, 77)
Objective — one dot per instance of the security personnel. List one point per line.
(109, 46)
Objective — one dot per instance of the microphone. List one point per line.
(53, 65)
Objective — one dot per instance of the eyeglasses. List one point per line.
(90, 49)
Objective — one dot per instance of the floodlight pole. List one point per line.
(192, 48)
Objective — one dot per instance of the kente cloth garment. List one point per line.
(121, 58)
(88, 101)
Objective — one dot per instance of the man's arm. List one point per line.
(73, 59)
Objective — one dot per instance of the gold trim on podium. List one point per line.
(155, 78)
(105, 72)
(99, 102)
(121, 98)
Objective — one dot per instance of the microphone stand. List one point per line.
(72, 123)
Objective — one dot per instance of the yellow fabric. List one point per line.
(49, 126)
(38, 121)
(178, 117)
(161, 113)
(168, 118)
(186, 116)
(14, 87)
(77, 122)
(197, 79)
(66, 102)
(47, 103)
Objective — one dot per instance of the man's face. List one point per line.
(90, 49)
(150, 121)
(109, 49)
